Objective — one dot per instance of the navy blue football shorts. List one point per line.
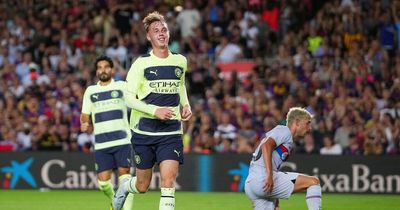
(113, 158)
(149, 150)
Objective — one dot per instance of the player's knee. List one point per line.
(314, 181)
(142, 187)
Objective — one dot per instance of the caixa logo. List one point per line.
(239, 177)
(57, 174)
(17, 171)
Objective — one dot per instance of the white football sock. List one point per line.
(167, 200)
(313, 197)
(131, 187)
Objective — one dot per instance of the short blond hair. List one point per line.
(297, 113)
(151, 18)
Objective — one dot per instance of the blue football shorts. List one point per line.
(113, 158)
(149, 150)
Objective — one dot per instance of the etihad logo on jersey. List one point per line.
(165, 86)
(106, 103)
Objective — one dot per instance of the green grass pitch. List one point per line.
(95, 200)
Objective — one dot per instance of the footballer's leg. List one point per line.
(170, 156)
(128, 204)
(142, 182)
(104, 165)
(105, 184)
(168, 172)
(312, 186)
(144, 161)
(263, 204)
(254, 192)
(137, 184)
(122, 156)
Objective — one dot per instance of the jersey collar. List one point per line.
(152, 54)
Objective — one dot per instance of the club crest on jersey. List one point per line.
(178, 72)
(114, 94)
(137, 159)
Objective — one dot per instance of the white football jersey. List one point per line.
(284, 145)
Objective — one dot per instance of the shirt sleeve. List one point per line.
(87, 103)
(182, 92)
(280, 135)
(125, 91)
(134, 80)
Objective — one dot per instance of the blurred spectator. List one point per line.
(84, 39)
(227, 51)
(188, 19)
(225, 135)
(389, 131)
(308, 146)
(372, 146)
(44, 137)
(212, 10)
(9, 143)
(117, 50)
(23, 70)
(314, 41)
(203, 134)
(355, 147)
(246, 137)
(330, 147)
(123, 13)
(24, 138)
(387, 32)
(104, 21)
(343, 132)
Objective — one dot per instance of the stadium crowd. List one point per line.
(339, 59)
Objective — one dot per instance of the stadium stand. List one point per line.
(249, 62)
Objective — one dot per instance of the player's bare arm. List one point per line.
(85, 119)
(267, 149)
